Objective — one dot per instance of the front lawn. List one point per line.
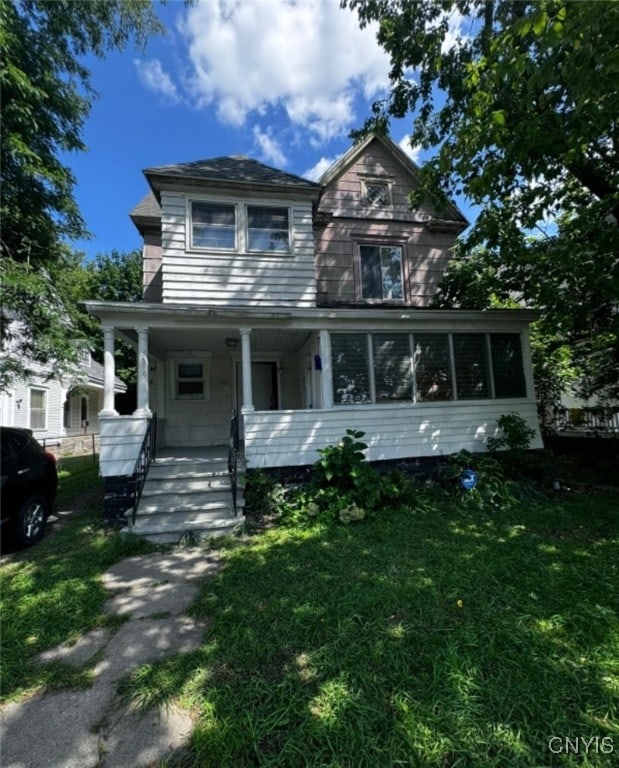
(426, 636)
(52, 592)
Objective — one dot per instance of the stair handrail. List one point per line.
(147, 454)
(233, 455)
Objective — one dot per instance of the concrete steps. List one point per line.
(189, 496)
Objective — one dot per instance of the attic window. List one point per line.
(376, 192)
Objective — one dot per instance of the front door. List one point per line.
(265, 388)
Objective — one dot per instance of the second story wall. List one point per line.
(264, 257)
(372, 248)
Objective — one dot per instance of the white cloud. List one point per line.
(413, 152)
(321, 167)
(307, 57)
(153, 77)
(270, 150)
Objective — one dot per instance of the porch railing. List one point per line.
(233, 457)
(147, 454)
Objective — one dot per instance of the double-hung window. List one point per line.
(268, 228)
(381, 272)
(38, 408)
(189, 380)
(213, 225)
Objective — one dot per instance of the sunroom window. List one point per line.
(351, 381)
(471, 364)
(507, 368)
(268, 229)
(393, 376)
(213, 225)
(381, 272)
(432, 371)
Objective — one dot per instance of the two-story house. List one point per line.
(305, 307)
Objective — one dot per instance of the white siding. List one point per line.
(292, 438)
(121, 440)
(234, 278)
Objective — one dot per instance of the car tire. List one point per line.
(31, 519)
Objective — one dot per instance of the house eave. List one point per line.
(129, 315)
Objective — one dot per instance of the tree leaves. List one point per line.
(46, 95)
(521, 110)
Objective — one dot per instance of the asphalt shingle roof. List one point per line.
(236, 169)
(148, 207)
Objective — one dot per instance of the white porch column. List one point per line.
(326, 378)
(143, 408)
(248, 400)
(109, 373)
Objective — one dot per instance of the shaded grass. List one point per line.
(430, 636)
(76, 474)
(52, 592)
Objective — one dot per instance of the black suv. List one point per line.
(29, 483)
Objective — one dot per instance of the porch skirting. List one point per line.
(399, 431)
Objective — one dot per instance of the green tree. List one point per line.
(115, 276)
(519, 101)
(46, 95)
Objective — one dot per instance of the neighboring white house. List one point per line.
(57, 407)
(305, 306)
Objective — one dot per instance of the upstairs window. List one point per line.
(213, 225)
(381, 272)
(268, 229)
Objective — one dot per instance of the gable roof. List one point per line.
(353, 154)
(236, 170)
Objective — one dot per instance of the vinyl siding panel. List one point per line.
(292, 438)
(236, 279)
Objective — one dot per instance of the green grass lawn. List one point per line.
(425, 636)
(52, 592)
(428, 637)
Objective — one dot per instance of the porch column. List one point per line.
(109, 374)
(326, 378)
(248, 400)
(143, 407)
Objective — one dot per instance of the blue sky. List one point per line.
(280, 81)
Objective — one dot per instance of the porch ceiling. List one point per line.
(202, 340)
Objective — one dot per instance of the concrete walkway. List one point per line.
(94, 728)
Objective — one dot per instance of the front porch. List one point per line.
(418, 382)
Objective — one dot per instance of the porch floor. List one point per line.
(196, 453)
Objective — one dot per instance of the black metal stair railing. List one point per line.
(233, 457)
(123, 492)
(146, 456)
